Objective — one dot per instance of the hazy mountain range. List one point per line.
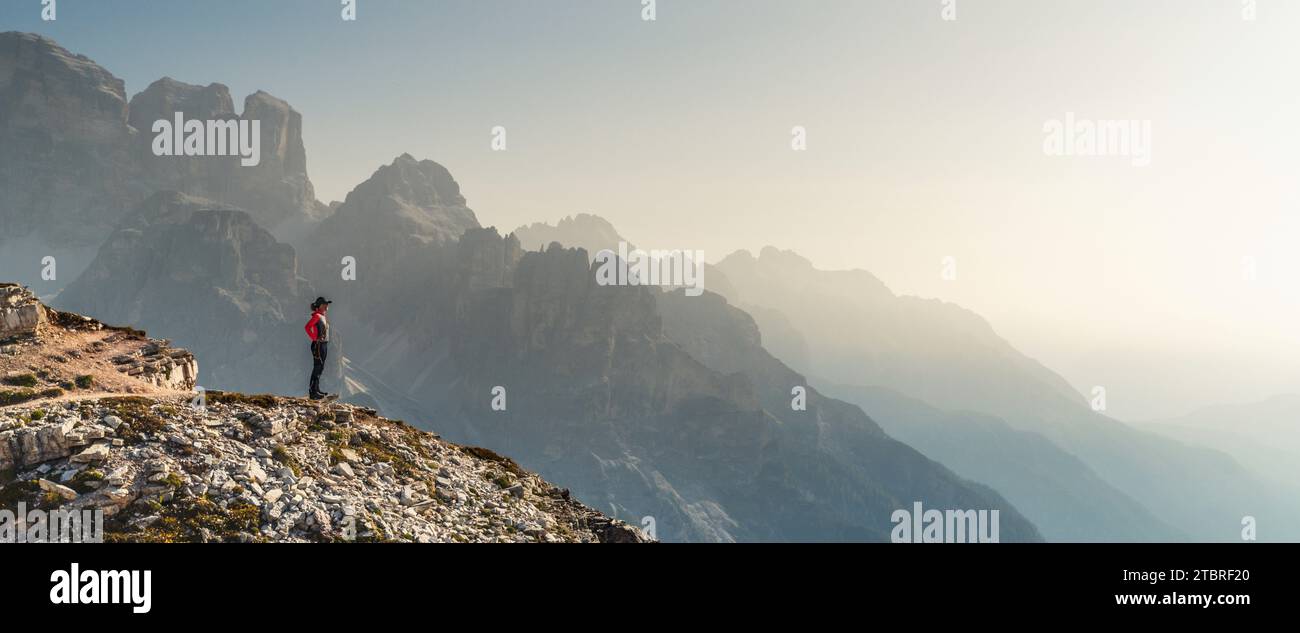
(78, 157)
(1261, 434)
(643, 402)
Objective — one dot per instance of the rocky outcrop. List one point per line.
(68, 353)
(20, 312)
(21, 447)
(158, 364)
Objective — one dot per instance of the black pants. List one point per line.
(319, 351)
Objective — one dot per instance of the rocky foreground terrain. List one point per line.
(166, 465)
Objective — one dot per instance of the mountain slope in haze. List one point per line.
(215, 282)
(1061, 494)
(1263, 435)
(1054, 490)
(78, 158)
(853, 325)
(858, 333)
(595, 393)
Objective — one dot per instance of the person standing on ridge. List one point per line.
(318, 330)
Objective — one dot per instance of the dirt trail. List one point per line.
(78, 359)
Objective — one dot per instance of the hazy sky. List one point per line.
(925, 140)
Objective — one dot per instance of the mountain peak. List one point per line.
(44, 53)
(406, 198)
(421, 182)
(781, 257)
(167, 96)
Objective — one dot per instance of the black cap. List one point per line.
(320, 301)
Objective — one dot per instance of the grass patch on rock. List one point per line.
(20, 380)
(137, 413)
(86, 481)
(16, 492)
(186, 521)
(282, 455)
(490, 455)
(19, 396)
(261, 401)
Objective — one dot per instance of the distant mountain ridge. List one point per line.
(853, 332)
(598, 393)
(587, 231)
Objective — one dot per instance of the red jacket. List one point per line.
(318, 327)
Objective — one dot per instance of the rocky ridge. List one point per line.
(165, 464)
(269, 469)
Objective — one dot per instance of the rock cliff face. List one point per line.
(78, 157)
(165, 465)
(66, 168)
(276, 191)
(215, 281)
